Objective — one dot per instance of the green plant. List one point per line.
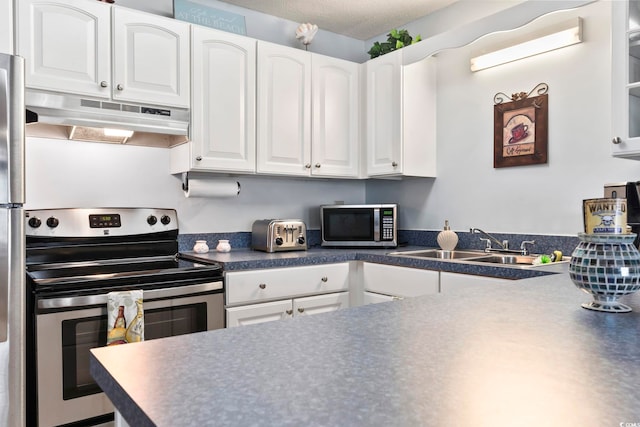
(396, 39)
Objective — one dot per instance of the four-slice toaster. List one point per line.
(276, 235)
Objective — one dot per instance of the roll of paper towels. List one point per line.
(212, 188)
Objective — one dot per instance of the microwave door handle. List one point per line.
(101, 299)
(376, 225)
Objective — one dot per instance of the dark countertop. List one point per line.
(247, 259)
(523, 353)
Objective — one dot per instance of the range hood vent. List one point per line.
(83, 118)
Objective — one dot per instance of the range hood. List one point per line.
(83, 118)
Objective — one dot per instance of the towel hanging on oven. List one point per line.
(125, 317)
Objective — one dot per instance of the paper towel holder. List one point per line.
(185, 182)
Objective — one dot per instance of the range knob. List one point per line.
(52, 222)
(279, 241)
(301, 240)
(165, 219)
(34, 222)
(152, 220)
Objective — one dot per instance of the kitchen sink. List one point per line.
(476, 256)
(439, 254)
(507, 259)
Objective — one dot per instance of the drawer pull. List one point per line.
(262, 285)
(300, 309)
(289, 312)
(324, 279)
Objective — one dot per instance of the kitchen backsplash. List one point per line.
(543, 244)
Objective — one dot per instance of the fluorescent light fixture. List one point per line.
(555, 37)
(118, 133)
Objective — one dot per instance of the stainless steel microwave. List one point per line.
(374, 226)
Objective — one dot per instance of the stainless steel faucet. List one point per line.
(504, 245)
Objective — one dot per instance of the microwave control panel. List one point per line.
(387, 224)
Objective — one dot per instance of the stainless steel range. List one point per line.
(74, 257)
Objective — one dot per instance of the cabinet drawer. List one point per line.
(279, 283)
(400, 281)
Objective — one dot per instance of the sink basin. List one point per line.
(439, 254)
(507, 259)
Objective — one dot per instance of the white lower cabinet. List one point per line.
(452, 282)
(388, 282)
(256, 296)
(279, 310)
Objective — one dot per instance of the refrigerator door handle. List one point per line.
(12, 122)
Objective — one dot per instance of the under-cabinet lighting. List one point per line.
(118, 133)
(562, 35)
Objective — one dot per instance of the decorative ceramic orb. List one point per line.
(607, 266)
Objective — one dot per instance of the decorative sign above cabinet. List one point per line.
(200, 14)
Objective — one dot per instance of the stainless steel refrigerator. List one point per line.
(12, 247)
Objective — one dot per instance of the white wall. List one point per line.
(529, 199)
(71, 174)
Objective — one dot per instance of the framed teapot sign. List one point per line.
(520, 128)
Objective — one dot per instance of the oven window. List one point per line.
(348, 224)
(81, 335)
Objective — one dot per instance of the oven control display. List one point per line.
(104, 221)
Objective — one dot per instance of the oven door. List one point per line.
(67, 329)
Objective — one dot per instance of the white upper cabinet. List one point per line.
(308, 113)
(284, 110)
(66, 45)
(6, 26)
(384, 114)
(335, 98)
(150, 58)
(223, 135)
(400, 117)
(625, 38)
(69, 47)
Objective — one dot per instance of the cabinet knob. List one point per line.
(307, 166)
(103, 84)
(317, 165)
(262, 285)
(120, 87)
(616, 140)
(300, 309)
(289, 312)
(199, 158)
(324, 279)
(394, 164)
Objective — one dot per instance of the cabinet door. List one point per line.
(284, 110)
(399, 281)
(384, 113)
(66, 45)
(374, 298)
(223, 134)
(320, 304)
(335, 97)
(625, 56)
(279, 283)
(151, 59)
(453, 282)
(6, 27)
(258, 313)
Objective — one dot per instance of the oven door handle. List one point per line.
(153, 294)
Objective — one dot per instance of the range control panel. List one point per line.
(93, 222)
